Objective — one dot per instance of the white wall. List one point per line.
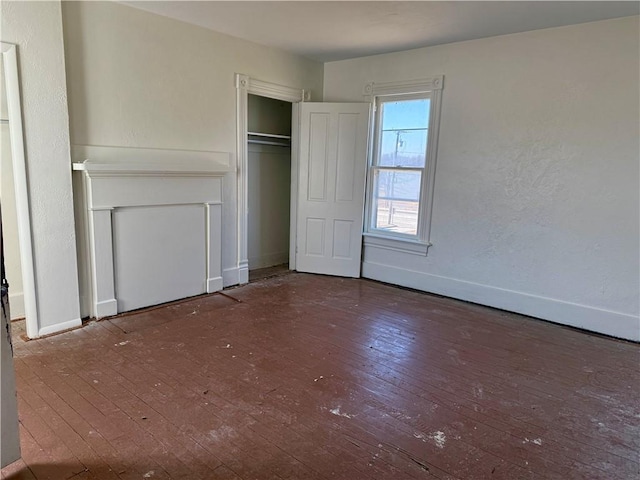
(13, 267)
(36, 28)
(136, 79)
(269, 203)
(536, 204)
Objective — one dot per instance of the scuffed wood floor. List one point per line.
(311, 377)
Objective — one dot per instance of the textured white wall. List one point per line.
(141, 80)
(36, 28)
(536, 204)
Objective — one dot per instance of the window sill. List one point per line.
(413, 247)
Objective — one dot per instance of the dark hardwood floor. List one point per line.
(268, 272)
(311, 377)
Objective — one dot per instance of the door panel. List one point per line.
(332, 168)
(347, 151)
(318, 144)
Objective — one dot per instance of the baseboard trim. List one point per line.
(235, 276)
(106, 308)
(16, 305)
(615, 324)
(59, 327)
(214, 284)
(230, 277)
(243, 273)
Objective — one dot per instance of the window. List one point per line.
(402, 166)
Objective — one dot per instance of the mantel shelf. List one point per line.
(146, 161)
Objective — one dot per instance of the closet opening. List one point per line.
(269, 186)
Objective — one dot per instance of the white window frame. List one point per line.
(424, 88)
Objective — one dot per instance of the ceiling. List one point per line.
(336, 30)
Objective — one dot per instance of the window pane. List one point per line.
(403, 148)
(403, 133)
(395, 201)
(405, 114)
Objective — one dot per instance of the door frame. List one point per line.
(14, 110)
(245, 86)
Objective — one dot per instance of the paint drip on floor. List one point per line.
(336, 411)
(439, 438)
(536, 441)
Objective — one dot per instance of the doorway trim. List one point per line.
(245, 86)
(12, 85)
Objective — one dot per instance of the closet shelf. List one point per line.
(269, 139)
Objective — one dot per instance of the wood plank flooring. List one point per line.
(268, 272)
(311, 377)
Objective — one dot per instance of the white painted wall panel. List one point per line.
(172, 263)
(158, 190)
(536, 205)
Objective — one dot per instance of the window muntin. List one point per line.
(398, 167)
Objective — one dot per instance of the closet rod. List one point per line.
(265, 142)
(268, 135)
(4, 120)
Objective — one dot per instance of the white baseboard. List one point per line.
(243, 273)
(59, 327)
(616, 324)
(107, 308)
(16, 305)
(214, 284)
(268, 260)
(235, 276)
(230, 277)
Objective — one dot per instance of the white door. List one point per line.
(332, 167)
(9, 434)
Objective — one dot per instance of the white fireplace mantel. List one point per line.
(147, 161)
(150, 224)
